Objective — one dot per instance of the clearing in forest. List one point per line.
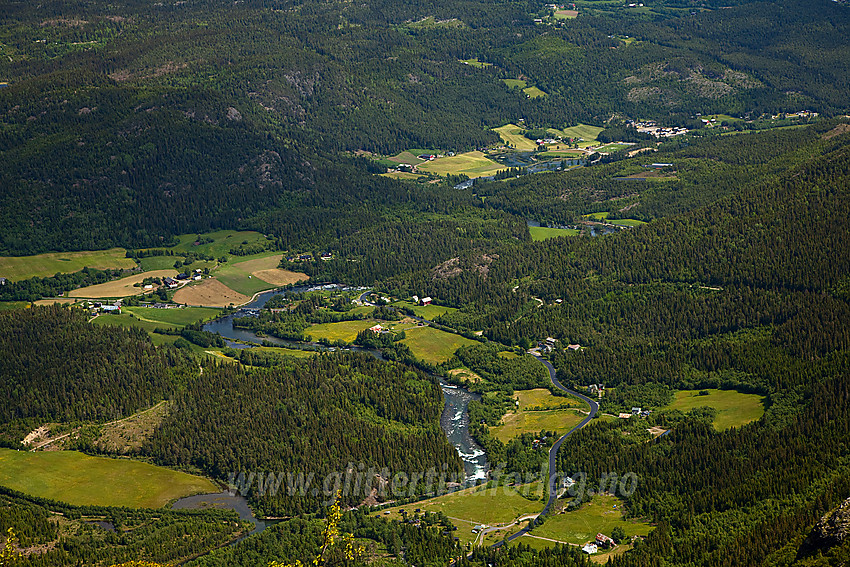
(83, 480)
(539, 409)
(512, 135)
(15, 268)
(734, 409)
(539, 233)
(471, 164)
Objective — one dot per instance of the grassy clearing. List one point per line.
(239, 276)
(472, 164)
(598, 216)
(209, 293)
(566, 14)
(537, 410)
(508, 354)
(584, 131)
(75, 478)
(426, 311)
(533, 92)
(475, 63)
(289, 352)
(515, 83)
(465, 374)
(434, 346)
(609, 148)
(176, 317)
(130, 433)
(734, 409)
(15, 268)
(627, 222)
(512, 135)
(7, 305)
(222, 242)
(126, 320)
(539, 233)
(408, 157)
(478, 505)
(166, 262)
(120, 288)
(345, 330)
(582, 525)
(405, 175)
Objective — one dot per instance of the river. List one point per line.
(454, 420)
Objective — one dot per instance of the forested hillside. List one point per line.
(56, 367)
(211, 116)
(310, 418)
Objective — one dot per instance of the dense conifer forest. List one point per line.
(130, 123)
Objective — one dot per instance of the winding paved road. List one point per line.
(553, 452)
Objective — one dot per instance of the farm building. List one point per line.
(590, 548)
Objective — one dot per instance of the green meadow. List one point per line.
(16, 268)
(429, 312)
(75, 478)
(734, 409)
(432, 345)
(533, 92)
(582, 525)
(512, 134)
(343, 331)
(539, 233)
(472, 164)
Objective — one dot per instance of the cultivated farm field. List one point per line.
(734, 409)
(16, 268)
(209, 293)
(512, 134)
(122, 287)
(75, 478)
(432, 345)
(539, 233)
(472, 164)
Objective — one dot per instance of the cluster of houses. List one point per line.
(596, 390)
(309, 257)
(636, 412)
(602, 541)
(99, 307)
(423, 301)
(650, 127)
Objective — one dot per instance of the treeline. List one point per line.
(35, 288)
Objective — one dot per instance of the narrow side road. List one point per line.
(553, 452)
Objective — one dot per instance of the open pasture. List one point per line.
(539, 233)
(429, 312)
(342, 331)
(601, 515)
(15, 268)
(472, 164)
(512, 135)
(539, 409)
(734, 409)
(584, 131)
(75, 478)
(432, 345)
